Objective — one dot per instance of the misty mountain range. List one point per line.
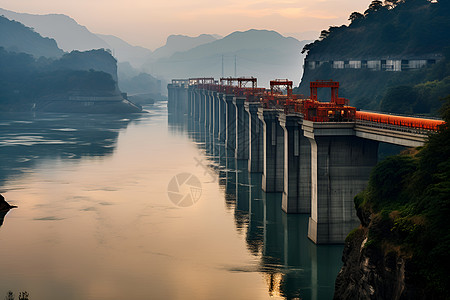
(263, 54)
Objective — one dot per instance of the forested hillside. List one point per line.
(25, 80)
(400, 29)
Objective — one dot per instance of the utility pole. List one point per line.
(222, 65)
(235, 73)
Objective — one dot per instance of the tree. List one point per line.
(324, 34)
(307, 47)
(355, 16)
(374, 6)
(391, 3)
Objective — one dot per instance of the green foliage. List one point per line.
(388, 179)
(412, 27)
(407, 28)
(353, 234)
(408, 197)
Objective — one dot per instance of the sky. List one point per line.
(147, 23)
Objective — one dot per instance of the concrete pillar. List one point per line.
(182, 99)
(170, 97)
(241, 129)
(201, 98)
(216, 128)
(297, 166)
(340, 167)
(230, 139)
(222, 118)
(193, 104)
(211, 111)
(198, 98)
(273, 149)
(255, 138)
(206, 110)
(189, 102)
(176, 103)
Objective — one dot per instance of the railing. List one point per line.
(398, 128)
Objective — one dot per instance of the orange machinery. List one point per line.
(276, 98)
(337, 110)
(238, 87)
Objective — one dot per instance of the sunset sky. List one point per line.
(148, 23)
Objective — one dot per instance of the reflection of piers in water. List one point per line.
(292, 266)
(27, 138)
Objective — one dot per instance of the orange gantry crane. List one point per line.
(281, 96)
(337, 110)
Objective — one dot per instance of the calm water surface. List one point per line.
(96, 220)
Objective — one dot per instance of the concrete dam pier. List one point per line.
(319, 155)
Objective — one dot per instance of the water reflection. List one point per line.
(292, 266)
(28, 138)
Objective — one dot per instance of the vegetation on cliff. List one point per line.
(398, 29)
(404, 215)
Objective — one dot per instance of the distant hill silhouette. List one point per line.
(66, 31)
(133, 81)
(180, 43)
(124, 52)
(16, 37)
(70, 36)
(261, 53)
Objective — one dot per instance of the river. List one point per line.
(119, 207)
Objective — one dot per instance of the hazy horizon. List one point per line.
(148, 24)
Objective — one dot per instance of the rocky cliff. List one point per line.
(371, 273)
(400, 250)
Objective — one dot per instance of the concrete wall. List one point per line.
(255, 160)
(297, 166)
(273, 149)
(340, 169)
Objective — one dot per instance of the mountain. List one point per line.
(66, 31)
(16, 37)
(264, 54)
(393, 57)
(133, 81)
(77, 82)
(125, 52)
(180, 43)
(72, 36)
